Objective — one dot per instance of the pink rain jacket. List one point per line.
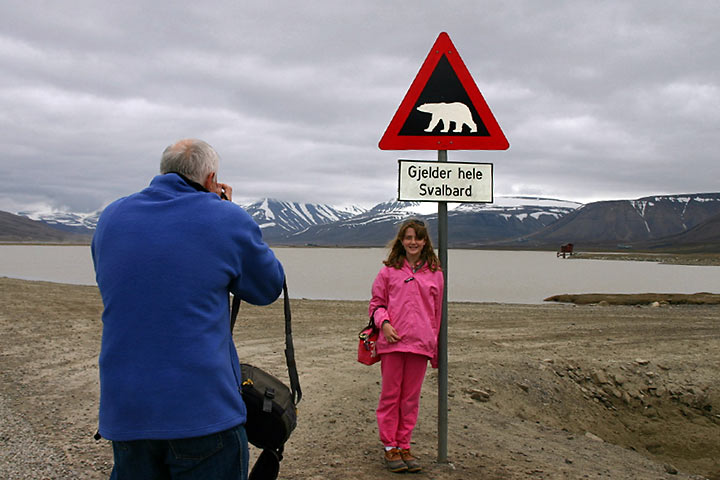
(412, 302)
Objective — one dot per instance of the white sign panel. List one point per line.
(428, 181)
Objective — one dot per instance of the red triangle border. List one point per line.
(392, 141)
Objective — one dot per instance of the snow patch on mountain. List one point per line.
(293, 216)
(64, 220)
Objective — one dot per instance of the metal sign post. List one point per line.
(443, 336)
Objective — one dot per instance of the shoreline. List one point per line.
(638, 299)
(700, 259)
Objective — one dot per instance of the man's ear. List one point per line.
(209, 182)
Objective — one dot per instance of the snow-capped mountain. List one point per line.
(514, 222)
(625, 222)
(83, 223)
(292, 223)
(469, 224)
(517, 203)
(16, 228)
(278, 219)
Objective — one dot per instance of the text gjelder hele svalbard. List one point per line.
(454, 174)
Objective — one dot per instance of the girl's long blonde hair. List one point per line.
(396, 258)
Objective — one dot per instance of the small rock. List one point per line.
(650, 412)
(670, 469)
(593, 437)
(619, 378)
(599, 377)
(614, 392)
(480, 395)
(641, 361)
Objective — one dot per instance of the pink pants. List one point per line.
(397, 411)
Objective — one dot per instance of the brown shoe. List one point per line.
(413, 466)
(394, 461)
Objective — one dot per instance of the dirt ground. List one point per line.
(535, 391)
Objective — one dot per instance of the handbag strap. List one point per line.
(295, 389)
(371, 323)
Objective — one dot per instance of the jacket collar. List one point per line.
(191, 183)
(416, 268)
(176, 181)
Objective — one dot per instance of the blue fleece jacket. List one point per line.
(165, 259)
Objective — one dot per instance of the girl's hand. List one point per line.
(390, 333)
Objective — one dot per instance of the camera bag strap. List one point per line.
(289, 348)
(267, 466)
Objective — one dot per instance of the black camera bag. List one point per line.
(271, 410)
(271, 405)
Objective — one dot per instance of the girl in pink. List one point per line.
(406, 307)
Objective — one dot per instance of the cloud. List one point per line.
(598, 99)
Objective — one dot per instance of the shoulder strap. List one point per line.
(289, 348)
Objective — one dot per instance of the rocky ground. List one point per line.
(651, 299)
(536, 391)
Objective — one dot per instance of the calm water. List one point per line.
(475, 276)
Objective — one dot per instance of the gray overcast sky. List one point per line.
(599, 99)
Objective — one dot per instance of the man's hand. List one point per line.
(225, 191)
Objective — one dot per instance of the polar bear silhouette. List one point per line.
(455, 112)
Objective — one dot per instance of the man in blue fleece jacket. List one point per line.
(165, 259)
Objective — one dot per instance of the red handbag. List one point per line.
(367, 354)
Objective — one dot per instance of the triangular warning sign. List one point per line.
(443, 109)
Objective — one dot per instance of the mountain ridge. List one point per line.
(16, 228)
(518, 222)
(623, 223)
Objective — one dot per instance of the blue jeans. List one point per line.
(221, 456)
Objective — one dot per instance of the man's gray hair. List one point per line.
(193, 158)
